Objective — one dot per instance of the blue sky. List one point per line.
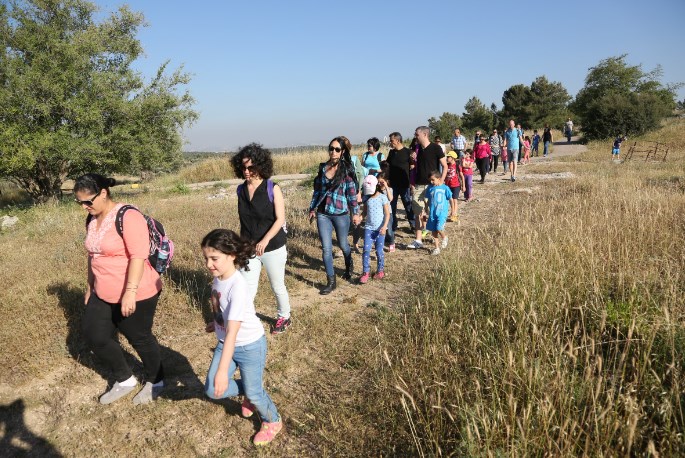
(287, 73)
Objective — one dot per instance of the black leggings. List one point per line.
(495, 161)
(100, 324)
(483, 164)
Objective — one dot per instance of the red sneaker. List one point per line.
(364, 278)
(267, 433)
(379, 275)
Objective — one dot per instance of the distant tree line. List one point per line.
(617, 98)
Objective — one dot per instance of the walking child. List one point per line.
(467, 173)
(438, 196)
(616, 149)
(242, 343)
(454, 180)
(536, 143)
(376, 218)
(526, 150)
(386, 190)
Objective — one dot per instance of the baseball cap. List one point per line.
(370, 184)
(452, 154)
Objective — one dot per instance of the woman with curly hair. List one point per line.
(333, 201)
(242, 343)
(261, 210)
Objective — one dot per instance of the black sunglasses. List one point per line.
(87, 203)
(334, 148)
(251, 168)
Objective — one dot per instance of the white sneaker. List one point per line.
(444, 242)
(415, 245)
(435, 252)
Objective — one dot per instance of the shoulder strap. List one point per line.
(270, 190)
(119, 221)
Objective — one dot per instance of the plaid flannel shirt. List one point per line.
(459, 143)
(336, 201)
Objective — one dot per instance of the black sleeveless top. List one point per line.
(258, 215)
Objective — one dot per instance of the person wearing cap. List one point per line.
(453, 180)
(376, 216)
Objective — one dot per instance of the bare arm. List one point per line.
(221, 377)
(135, 273)
(443, 163)
(279, 209)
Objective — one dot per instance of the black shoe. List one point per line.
(330, 286)
(349, 268)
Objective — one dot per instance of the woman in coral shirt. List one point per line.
(122, 291)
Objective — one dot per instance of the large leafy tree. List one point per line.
(549, 102)
(477, 115)
(70, 101)
(622, 98)
(516, 104)
(444, 125)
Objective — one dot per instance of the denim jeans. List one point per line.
(102, 320)
(274, 263)
(405, 195)
(373, 238)
(545, 150)
(390, 233)
(250, 359)
(325, 224)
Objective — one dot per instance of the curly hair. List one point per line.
(228, 242)
(262, 163)
(94, 183)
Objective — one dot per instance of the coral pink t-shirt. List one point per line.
(109, 256)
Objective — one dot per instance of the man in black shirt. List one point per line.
(429, 159)
(398, 160)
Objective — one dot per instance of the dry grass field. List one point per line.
(553, 325)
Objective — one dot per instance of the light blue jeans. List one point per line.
(251, 359)
(545, 150)
(274, 263)
(325, 224)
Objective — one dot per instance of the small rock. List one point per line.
(8, 221)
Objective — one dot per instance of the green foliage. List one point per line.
(444, 126)
(477, 116)
(71, 101)
(622, 98)
(544, 102)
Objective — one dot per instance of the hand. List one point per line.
(312, 215)
(356, 219)
(210, 327)
(220, 383)
(383, 230)
(261, 246)
(128, 303)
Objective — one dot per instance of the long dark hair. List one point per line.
(228, 242)
(345, 167)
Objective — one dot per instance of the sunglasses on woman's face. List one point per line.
(87, 203)
(249, 168)
(334, 148)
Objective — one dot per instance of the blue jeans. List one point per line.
(251, 359)
(274, 263)
(372, 238)
(325, 224)
(545, 150)
(405, 195)
(390, 233)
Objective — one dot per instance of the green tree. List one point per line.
(516, 104)
(70, 101)
(477, 116)
(444, 125)
(622, 98)
(549, 101)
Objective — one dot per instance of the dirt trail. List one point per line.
(53, 411)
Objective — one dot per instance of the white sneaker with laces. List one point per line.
(444, 242)
(415, 245)
(435, 252)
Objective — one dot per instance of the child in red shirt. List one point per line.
(453, 180)
(467, 172)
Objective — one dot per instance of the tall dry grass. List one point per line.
(558, 330)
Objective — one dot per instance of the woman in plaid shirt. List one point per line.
(333, 201)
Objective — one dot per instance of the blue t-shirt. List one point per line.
(536, 139)
(439, 201)
(374, 212)
(371, 162)
(617, 143)
(512, 137)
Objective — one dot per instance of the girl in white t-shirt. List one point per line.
(242, 343)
